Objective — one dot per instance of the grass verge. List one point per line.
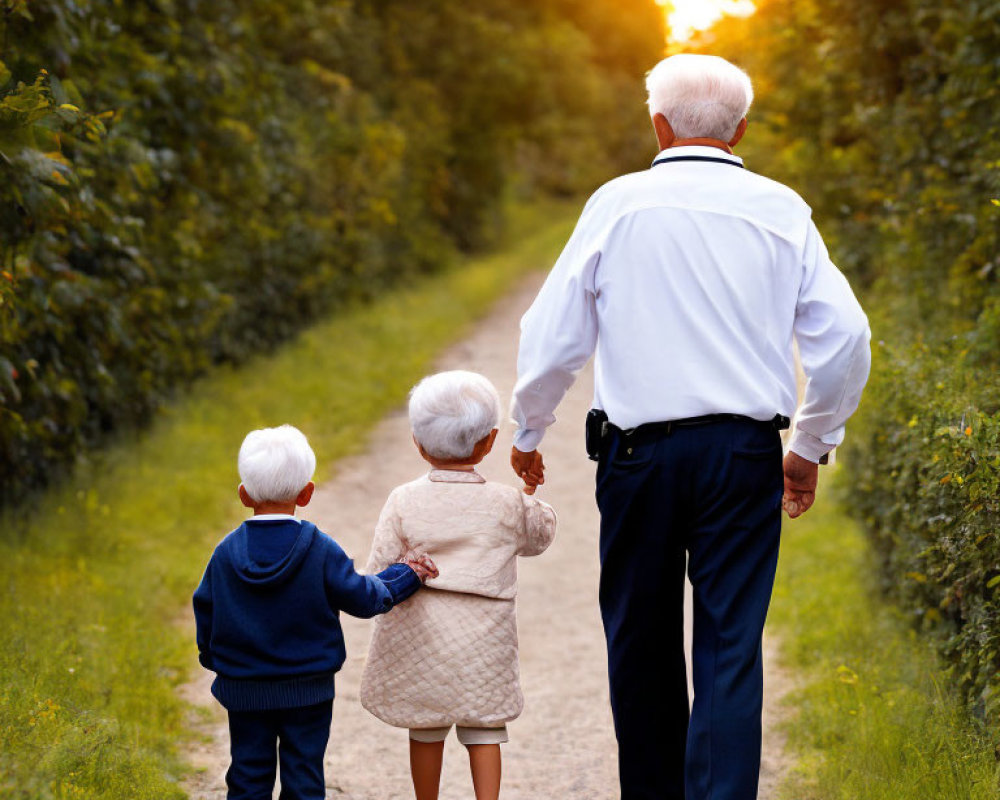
(874, 716)
(95, 575)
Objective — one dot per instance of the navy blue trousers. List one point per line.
(294, 737)
(711, 496)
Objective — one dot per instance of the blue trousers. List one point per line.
(295, 737)
(709, 495)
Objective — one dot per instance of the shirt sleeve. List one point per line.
(558, 334)
(203, 619)
(538, 528)
(834, 345)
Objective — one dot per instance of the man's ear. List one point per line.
(245, 497)
(740, 130)
(303, 497)
(665, 135)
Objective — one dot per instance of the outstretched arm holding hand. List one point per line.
(529, 468)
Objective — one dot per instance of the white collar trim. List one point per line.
(455, 476)
(699, 150)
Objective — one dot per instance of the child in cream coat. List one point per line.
(449, 656)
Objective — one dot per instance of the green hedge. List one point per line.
(187, 182)
(883, 114)
(925, 481)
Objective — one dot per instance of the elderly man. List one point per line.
(692, 280)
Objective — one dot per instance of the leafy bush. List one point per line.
(187, 182)
(873, 718)
(925, 481)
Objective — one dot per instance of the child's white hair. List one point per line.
(451, 411)
(701, 96)
(276, 463)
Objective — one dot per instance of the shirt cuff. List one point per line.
(810, 447)
(526, 439)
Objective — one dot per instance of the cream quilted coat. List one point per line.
(448, 655)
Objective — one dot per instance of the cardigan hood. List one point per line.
(278, 572)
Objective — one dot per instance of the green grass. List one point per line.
(97, 574)
(873, 719)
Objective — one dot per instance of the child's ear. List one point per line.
(484, 445)
(245, 497)
(306, 494)
(420, 449)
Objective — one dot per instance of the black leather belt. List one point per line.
(656, 430)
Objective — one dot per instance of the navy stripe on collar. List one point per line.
(669, 160)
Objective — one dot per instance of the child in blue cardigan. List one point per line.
(267, 614)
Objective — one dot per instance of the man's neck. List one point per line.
(701, 142)
(274, 508)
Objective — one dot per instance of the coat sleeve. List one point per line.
(538, 526)
(203, 618)
(833, 337)
(388, 545)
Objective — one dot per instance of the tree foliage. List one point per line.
(188, 181)
(884, 114)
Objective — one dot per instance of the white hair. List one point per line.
(701, 96)
(276, 463)
(451, 411)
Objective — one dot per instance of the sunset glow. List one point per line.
(685, 17)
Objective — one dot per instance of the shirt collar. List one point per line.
(698, 151)
(455, 476)
(272, 518)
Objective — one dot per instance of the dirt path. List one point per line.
(563, 746)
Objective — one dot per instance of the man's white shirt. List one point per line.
(691, 280)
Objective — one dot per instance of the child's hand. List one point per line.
(423, 566)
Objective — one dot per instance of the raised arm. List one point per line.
(366, 595)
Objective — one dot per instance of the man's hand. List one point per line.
(800, 485)
(423, 566)
(529, 468)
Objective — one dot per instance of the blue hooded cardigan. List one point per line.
(267, 613)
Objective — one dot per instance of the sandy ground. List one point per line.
(563, 745)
